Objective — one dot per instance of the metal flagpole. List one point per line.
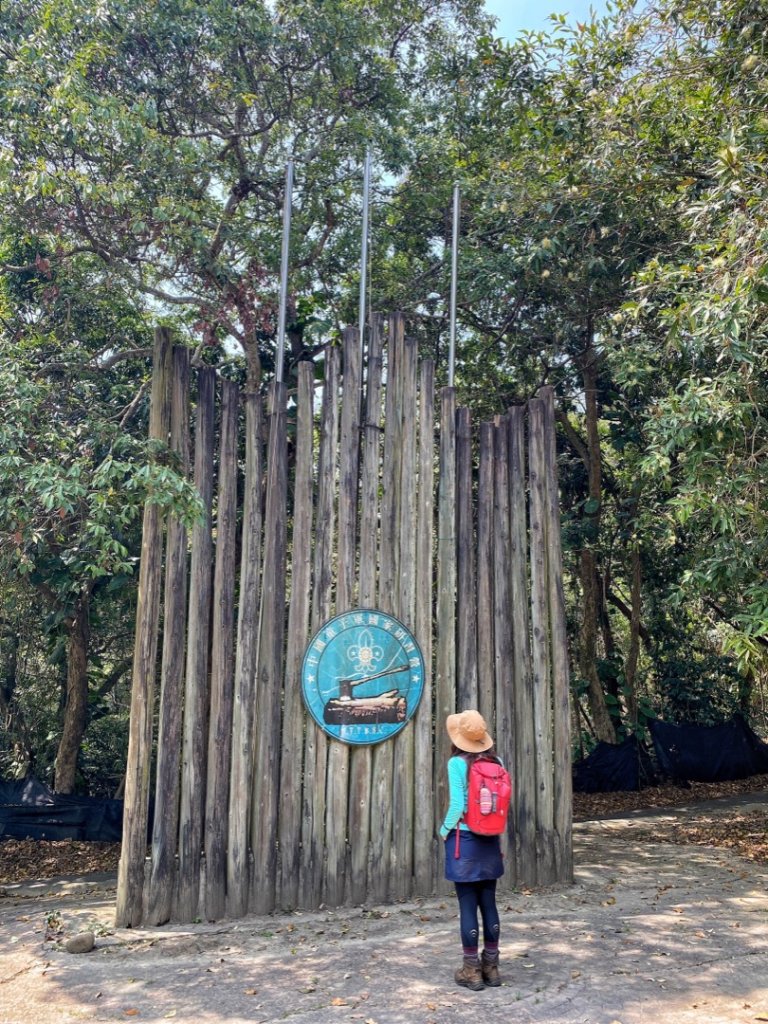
(454, 280)
(280, 356)
(364, 248)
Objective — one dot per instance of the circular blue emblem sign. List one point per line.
(362, 676)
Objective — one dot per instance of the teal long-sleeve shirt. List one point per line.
(457, 795)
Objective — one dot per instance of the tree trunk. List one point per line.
(76, 706)
(630, 669)
(12, 718)
(588, 570)
(610, 675)
(601, 719)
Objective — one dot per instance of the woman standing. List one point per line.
(472, 862)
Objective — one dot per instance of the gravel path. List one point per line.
(649, 932)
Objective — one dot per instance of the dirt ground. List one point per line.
(649, 932)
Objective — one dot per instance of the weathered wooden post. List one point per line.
(222, 661)
(338, 753)
(130, 882)
(269, 674)
(541, 648)
(405, 599)
(291, 759)
(316, 742)
(563, 794)
(466, 591)
(424, 845)
(522, 678)
(445, 660)
(359, 824)
(486, 676)
(166, 818)
(194, 745)
(380, 865)
(244, 697)
(502, 608)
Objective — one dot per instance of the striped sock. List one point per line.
(470, 954)
(491, 952)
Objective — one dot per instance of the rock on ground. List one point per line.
(648, 932)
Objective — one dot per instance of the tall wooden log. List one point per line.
(291, 759)
(269, 674)
(466, 595)
(424, 847)
(563, 796)
(349, 469)
(445, 682)
(222, 661)
(401, 874)
(338, 753)
(525, 745)
(369, 486)
(170, 717)
(389, 592)
(194, 747)
(541, 661)
(244, 707)
(361, 757)
(502, 624)
(486, 678)
(130, 882)
(389, 552)
(316, 741)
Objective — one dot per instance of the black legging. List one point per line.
(474, 896)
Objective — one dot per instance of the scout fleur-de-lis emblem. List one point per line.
(366, 654)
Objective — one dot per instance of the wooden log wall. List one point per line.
(349, 500)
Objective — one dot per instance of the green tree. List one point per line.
(704, 312)
(74, 472)
(154, 137)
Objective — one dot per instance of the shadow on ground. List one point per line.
(648, 932)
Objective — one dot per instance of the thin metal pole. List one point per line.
(364, 248)
(280, 357)
(454, 281)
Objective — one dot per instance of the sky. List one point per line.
(517, 15)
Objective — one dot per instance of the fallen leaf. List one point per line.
(338, 1001)
(133, 1012)
(251, 991)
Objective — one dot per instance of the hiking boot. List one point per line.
(490, 972)
(470, 976)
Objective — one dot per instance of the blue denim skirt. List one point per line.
(479, 857)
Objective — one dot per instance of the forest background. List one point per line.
(613, 245)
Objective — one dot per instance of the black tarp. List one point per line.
(714, 753)
(31, 810)
(614, 767)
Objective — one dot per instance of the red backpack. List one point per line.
(489, 792)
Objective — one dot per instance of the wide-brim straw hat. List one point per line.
(468, 732)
